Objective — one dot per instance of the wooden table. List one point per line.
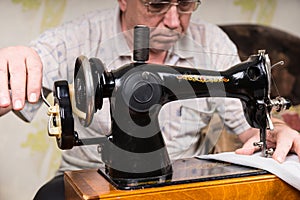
(89, 184)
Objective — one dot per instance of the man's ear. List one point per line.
(122, 5)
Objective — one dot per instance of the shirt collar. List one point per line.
(185, 47)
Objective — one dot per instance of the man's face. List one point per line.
(166, 28)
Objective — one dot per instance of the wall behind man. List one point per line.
(280, 14)
(28, 156)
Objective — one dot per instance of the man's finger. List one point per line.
(34, 77)
(248, 148)
(296, 145)
(4, 92)
(283, 145)
(17, 71)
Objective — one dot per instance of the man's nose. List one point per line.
(171, 18)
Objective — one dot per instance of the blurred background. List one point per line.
(28, 156)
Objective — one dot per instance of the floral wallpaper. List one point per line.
(53, 10)
(257, 10)
(38, 144)
(28, 4)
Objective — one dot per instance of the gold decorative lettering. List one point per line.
(203, 79)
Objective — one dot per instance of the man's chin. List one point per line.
(162, 46)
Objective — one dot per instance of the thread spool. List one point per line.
(141, 43)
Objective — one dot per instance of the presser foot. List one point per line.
(269, 152)
(266, 152)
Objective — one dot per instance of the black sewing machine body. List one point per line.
(142, 86)
(135, 150)
(142, 89)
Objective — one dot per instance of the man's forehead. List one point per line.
(157, 1)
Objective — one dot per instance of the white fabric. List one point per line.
(288, 171)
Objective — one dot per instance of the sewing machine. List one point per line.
(134, 153)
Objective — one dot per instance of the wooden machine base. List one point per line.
(89, 184)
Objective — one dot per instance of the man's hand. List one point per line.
(20, 77)
(283, 138)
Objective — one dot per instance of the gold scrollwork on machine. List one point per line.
(203, 79)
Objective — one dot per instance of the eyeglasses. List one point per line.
(161, 7)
